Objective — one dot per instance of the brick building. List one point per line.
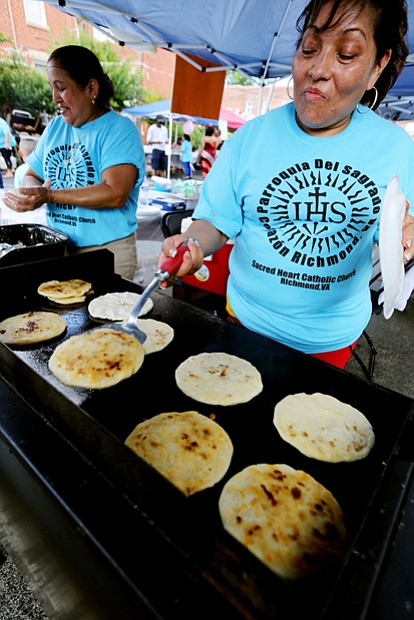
(33, 27)
(29, 24)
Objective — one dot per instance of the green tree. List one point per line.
(235, 77)
(4, 38)
(23, 87)
(26, 88)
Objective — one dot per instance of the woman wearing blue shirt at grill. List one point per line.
(88, 164)
(300, 188)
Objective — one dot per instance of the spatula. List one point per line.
(168, 268)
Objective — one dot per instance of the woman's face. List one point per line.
(332, 69)
(74, 101)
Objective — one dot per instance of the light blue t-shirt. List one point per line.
(76, 157)
(4, 130)
(186, 151)
(303, 212)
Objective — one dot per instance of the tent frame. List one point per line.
(224, 63)
(171, 116)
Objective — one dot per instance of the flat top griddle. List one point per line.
(98, 421)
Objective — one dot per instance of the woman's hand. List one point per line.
(192, 258)
(29, 198)
(408, 234)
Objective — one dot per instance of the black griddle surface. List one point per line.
(98, 422)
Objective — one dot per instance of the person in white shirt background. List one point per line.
(157, 137)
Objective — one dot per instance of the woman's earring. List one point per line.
(371, 106)
(288, 84)
(93, 100)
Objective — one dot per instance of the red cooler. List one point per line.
(212, 275)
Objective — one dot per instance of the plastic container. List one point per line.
(170, 203)
(144, 193)
(33, 242)
(161, 184)
(214, 272)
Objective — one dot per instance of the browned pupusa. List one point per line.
(285, 517)
(97, 359)
(192, 451)
(31, 327)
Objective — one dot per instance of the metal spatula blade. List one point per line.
(168, 268)
(5, 248)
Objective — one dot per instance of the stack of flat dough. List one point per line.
(190, 450)
(66, 292)
(285, 517)
(324, 428)
(218, 379)
(97, 359)
(31, 328)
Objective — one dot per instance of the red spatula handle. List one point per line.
(171, 265)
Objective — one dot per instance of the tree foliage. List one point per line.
(23, 87)
(3, 38)
(235, 77)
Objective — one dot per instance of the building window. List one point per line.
(35, 13)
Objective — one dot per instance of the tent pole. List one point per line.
(269, 56)
(269, 97)
(170, 145)
(260, 103)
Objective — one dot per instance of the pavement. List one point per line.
(393, 340)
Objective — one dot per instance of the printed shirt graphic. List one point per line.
(304, 212)
(73, 157)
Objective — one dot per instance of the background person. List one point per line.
(219, 139)
(186, 148)
(157, 137)
(7, 143)
(88, 164)
(300, 188)
(207, 151)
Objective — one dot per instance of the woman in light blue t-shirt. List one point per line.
(187, 155)
(88, 164)
(300, 189)
(7, 144)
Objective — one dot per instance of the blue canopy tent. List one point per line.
(163, 107)
(399, 103)
(255, 37)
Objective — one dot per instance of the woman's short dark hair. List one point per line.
(390, 25)
(209, 131)
(82, 66)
